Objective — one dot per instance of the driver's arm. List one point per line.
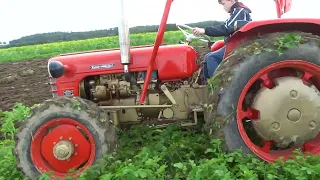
(228, 27)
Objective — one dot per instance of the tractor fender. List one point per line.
(257, 28)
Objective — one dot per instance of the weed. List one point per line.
(172, 153)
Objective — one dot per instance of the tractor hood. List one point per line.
(97, 62)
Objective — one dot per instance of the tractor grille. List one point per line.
(53, 85)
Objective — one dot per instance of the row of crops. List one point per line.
(52, 49)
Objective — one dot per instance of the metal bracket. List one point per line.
(168, 94)
(195, 114)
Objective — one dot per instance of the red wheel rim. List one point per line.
(310, 74)
(64, 133)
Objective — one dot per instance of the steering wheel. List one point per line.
(191, 37)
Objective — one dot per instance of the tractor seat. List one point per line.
(217, 45)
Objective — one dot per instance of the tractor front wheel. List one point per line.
(268, 104)
(63, 134)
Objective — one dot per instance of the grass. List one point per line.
(171, 153)
(44, 51)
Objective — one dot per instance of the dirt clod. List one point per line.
(9, 79)
(26, 72)
(23, 81)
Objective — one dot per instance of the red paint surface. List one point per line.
(217, 45)
(43, 143)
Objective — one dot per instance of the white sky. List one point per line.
(25, 17)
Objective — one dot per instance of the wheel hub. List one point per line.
(289, 113)
(294, 115)
(63, 150)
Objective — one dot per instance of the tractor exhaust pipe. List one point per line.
(124, 39)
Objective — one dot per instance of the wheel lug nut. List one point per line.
(293, 93)
(275, 126)
(312, 124)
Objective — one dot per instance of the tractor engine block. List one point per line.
(103, 88)
(114, 90)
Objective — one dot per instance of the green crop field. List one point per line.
(52, 49)
(145, 152)
(171, 153)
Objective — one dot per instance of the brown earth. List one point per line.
(27, 82)
(23, 81)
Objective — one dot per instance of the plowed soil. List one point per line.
(27, 82)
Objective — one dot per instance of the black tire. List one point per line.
(233, 74)
(80, 110)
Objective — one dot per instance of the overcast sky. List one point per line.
(25, 17)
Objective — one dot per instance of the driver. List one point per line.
(238, 12)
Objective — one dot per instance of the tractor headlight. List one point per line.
(56, 69)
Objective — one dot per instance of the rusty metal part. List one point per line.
(124, 89)
(169, 95)
(168, 113)
(135, 106)
(289, 112)
(127, 111)
(82, 92)
(101, 93)
(114, 118)
(63, 150)
(169, 100)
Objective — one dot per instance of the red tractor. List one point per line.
(264, 97)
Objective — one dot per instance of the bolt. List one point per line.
(312, 124)
(294, 115)
(54, 143)
(61, 137)
(75, 153)
(61, 152)
(70, 138)
(293, 93)
(76, 145)
(275, 126)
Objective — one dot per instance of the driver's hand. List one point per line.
(198, 31)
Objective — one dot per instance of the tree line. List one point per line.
(70, 36)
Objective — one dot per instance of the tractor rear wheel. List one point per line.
(267, 103)
(63, 134)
